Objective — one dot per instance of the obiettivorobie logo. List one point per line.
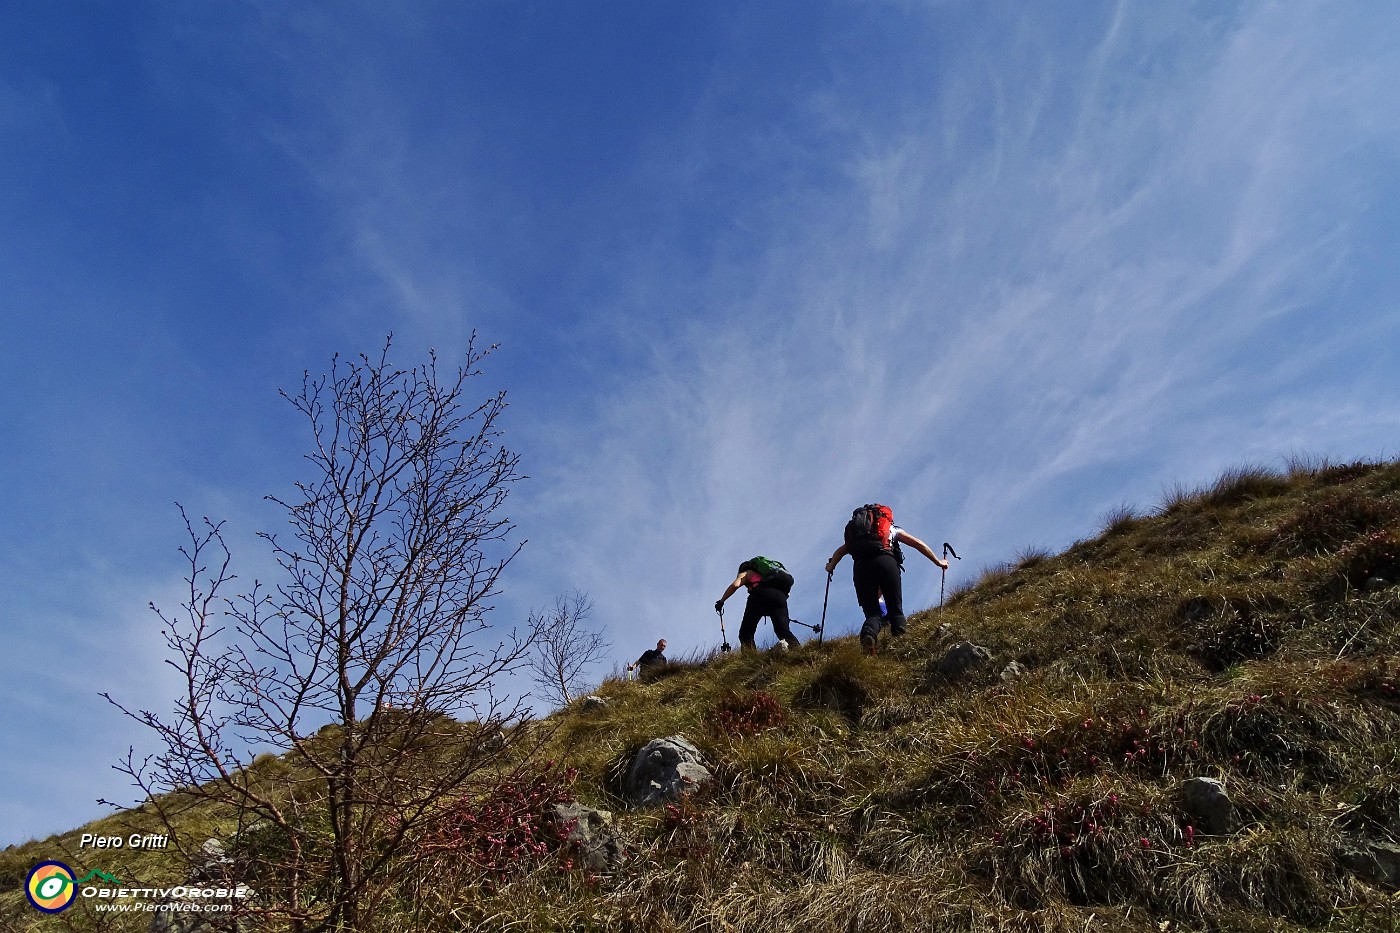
(51, 886)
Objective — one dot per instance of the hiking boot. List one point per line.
(868, 643)
(793, 642)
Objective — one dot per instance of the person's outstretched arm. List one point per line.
(904, 537)
(836, 556)
(733, 588)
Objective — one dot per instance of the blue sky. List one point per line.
(1004, 266)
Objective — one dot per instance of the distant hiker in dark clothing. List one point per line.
(768, 583)
(873, 541)
(651, 661)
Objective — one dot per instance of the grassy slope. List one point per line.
(1225, 636)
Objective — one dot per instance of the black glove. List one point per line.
(719, 605)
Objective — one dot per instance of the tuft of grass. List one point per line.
(1175, 497)
(1243, 484)
(842, 682)
(1118, 520)
(1030, 556)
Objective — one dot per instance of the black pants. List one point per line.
(875, 577)
(766, 601)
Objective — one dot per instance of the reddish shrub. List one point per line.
(748, 713)
(1376, 555)
(509, 829)
(1328, 525)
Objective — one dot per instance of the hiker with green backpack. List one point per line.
(769, 584)
(873, 540)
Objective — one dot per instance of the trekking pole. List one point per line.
(822, 625)
(817, 629)
(947, 549)
(724, 636)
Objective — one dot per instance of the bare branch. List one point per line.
(355, 661)
(566, 644)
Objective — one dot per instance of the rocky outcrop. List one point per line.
(591, 834)
(1375, 862)
(664, 770)
(960, 659)
(211, 886)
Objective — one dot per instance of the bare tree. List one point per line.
(377, 629)
(565, 644)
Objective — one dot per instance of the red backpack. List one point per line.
(868, 531)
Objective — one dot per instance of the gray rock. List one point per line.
(211, 862)
(210, 869)
(1376, 862)
(960, 659)
(591, 703)
(1206, 801)
(663, 771)
(592, 834)
(494, 742)
(1013, 670)
(1376, 583)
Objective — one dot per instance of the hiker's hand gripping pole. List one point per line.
(947, 549)
(822, 627)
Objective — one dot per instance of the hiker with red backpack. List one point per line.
(769, 584)
(873, 541)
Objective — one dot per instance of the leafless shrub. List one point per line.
(378, 629)
(565, 646)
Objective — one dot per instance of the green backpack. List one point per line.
(765, 567)
(770, 572)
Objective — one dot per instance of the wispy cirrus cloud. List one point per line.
(1002, 302)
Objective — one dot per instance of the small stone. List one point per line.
(1013, 670)
(592, 834)
(1205, 799)
(960, 659)
(591, 703)
(1376, 583)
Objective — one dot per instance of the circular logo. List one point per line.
(50, 887)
